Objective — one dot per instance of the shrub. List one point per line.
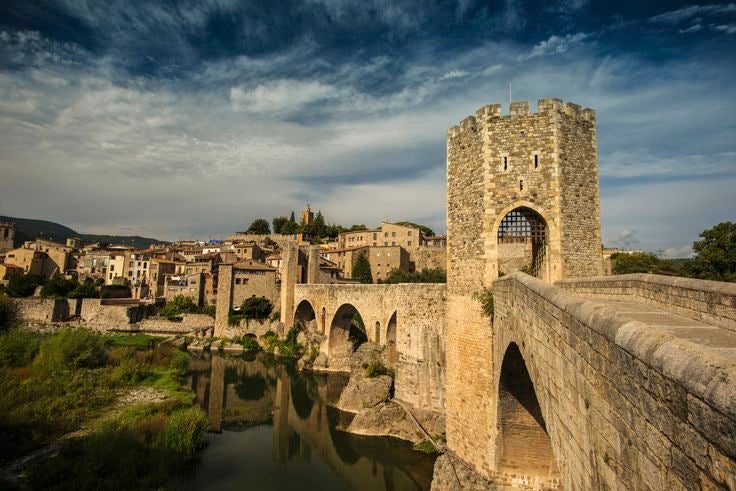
(58, 287)
(270, 340)
(18, 347)
(185, 431)
(375, 368)
(250, 344)
(209, 310)
(115, 291)
(180, 362)
(178, 305)
(24, 285)
(256, 308)
(8, 313)
(424, 276)
(84, 290)
(72, 348)
(485, 297)
(362, 269)
(234, 319)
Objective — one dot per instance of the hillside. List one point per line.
(29, 229)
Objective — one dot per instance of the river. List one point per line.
(273, 428)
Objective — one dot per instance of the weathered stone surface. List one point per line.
(385, 419)
(451, 474)
(363, 392)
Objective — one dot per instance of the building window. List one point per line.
(536, 160)
(408, 242)
(385, 234)
(393, 243)
(385, 243)
(408, 233)
(393, 234)
(505, 163)
(112, 267)
(521, 184)
(375, 236)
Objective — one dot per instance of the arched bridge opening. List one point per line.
(392, 356)
(347, 332)
(523, 243)
(305, 317)
(523, 446)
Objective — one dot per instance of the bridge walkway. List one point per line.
(717, 339)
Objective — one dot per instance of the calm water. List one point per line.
(273, 428)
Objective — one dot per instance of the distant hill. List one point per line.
(29, 229)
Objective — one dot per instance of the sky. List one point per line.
(190, 119)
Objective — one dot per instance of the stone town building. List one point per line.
(160, 269)
(29, 260)
(307, 216)
(191, 286)
(7, 235)
(41, 257)
(249, 251)
(246, 279)
(8, 270)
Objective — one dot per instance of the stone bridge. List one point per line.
(407, 319)
(633, 387)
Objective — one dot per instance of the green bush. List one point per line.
(23, 285)
(180, 362)
(424, 276)
(178, 305)
(84, 290)
(209, 310)
(72, 348)
(234, 319)
(250, 344)
(115, 291)
(185, 431)
(18, 347)
(375, 368)
(256, 308)
(362, 269)
(485, 297)
(8, 313)
(58, 287)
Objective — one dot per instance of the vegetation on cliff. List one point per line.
(424, 276)
(362, 269)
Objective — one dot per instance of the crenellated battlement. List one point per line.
(521, 109)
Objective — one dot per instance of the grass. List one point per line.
(54, 384)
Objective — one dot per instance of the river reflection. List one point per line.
(277, 430)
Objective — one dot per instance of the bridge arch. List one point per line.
(523, 237)
(523, 447)
(305, 313)
(390, 341)
(347, 332)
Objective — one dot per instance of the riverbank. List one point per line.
(79, 408)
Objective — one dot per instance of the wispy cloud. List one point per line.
(691, 11)
(555, 45)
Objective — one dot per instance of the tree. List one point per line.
(634, 262)
(290, 227)
(426, 231)
(424, 276)
(319, 229)
(256, 308)
(179, 305)
(715, 254)
(362, 269)
(24, 285)
(58, 287)
(8, 313)
(259, 226)
(356, 228)
(278, 224)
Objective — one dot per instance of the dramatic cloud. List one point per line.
(192, 119)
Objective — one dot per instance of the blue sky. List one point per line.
(191, 119)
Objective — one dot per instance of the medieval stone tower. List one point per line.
(7, 235)
(522, 193)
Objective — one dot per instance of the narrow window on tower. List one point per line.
(505, 163)
(521, 184)
(536, 160)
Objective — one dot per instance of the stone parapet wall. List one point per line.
(712, 302)
(254, 327)
(625, 406)
(189, 323)
(42, 310)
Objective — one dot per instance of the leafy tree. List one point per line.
(58, 287)
(362, 269)
(319, 229)
(426, 231)
(259, 226)
(278, 224)
(84, 290)
(715, 253)
(635, 262)
(291, 227)
(24, 285)
(424, 276)
(358, 227)
(256, 308)
(179, 305)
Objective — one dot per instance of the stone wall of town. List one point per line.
(428, 258)
(42, 310)
(712, 302)
(624, 407)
